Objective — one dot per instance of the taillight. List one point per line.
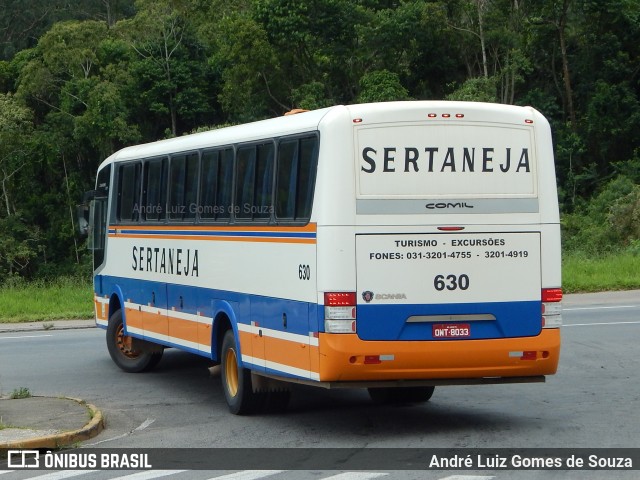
(551, 307)
(340, 312)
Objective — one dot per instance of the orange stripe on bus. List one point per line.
(292, 354)
(133, 317)
(217, 239)
(184, 330)
(285, 352)
(98, 310)
(245, 343)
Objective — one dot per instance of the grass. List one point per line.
(62, 298)
(582, 273)
(22, 392)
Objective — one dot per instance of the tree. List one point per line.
(381, 86)
(15, 126)
(169, 61)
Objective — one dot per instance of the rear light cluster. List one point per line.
(551, 307)
(340, 312)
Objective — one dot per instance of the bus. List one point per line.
(391, 246)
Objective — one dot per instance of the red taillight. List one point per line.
(339, 299)
(551, 294)
(372, 360)
(340, 312)
(551, 307)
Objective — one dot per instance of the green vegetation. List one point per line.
(601, 239)
(22, 392)
(62, 298)
(612, 272)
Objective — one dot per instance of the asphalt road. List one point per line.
(592, 402)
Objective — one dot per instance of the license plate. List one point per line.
(458, 330)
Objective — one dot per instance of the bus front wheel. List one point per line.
(236, 380)
(126, 352)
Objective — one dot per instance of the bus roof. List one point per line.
(386, 112)
(289, 125)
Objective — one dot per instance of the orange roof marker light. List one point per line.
(295, 111)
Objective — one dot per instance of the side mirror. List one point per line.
(82, 212)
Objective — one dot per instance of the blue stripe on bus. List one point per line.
(266, 311)
(389, 322)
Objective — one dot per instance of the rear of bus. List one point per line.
(438, 245)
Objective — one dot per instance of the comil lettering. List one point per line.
(450, 159)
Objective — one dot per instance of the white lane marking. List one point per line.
(144, 424)
(63, 474)
(248, 475)
(356, 476)
(564, 309)
(140, 427)
(25, 336)
(149, 475)
(601, 323)
(468, 477)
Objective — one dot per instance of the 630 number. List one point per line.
(304, 272)
(451, 282)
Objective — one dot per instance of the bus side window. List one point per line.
(154, 190)
(254, 182)
(246, 171)
(129, 192)
(262, 201)
(295, 178)
(183, 186)
(216, 185)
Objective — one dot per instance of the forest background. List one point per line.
(80, 79)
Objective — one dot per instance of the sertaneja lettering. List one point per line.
(170, 261)
(450, 159)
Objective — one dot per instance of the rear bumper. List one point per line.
(343, 357)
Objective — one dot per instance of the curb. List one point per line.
(63, 439)
(46, 326)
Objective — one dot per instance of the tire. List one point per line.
(122, 350)
(236, 380)
(387, 396)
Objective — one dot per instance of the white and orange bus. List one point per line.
(393, 246)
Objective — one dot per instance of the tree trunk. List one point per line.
(568, 91)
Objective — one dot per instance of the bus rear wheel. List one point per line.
(401, 395)
(126, 352)
(236, 380)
